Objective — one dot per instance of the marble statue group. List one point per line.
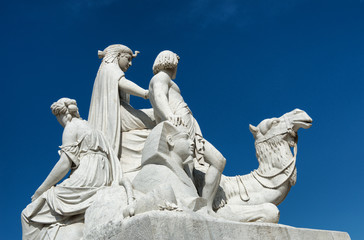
(156, 159)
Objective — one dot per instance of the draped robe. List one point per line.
(125, 128)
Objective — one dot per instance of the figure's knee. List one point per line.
(30, 229)
(222, 161)
(271, 213)
(23, 216)
(214, 157)
(219, 162)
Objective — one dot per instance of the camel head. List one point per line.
(288, 123)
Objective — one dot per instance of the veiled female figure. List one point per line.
(125, 128)
(94, 165)
(110, 109)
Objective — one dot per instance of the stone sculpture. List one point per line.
(176, 174)
(125, 128)
(94, 165)
(166, 157)
(276, 174)
(168, 105)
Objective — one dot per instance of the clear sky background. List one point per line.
(241, 61)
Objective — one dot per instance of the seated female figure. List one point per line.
(110, 109)
(125, 127)
(94, 165)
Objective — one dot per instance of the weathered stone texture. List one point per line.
(161, 225)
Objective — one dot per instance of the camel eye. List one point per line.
(276, 121)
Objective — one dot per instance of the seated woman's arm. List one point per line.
(58, 172)
(131, 88)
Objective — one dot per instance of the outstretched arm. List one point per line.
(131, 88)
(58, 172)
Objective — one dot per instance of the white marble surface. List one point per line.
(169, 105)
(163, 225)
(178, 190)
(94, 166)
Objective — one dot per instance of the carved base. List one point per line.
(180, 225)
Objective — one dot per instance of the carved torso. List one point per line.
(175, 99)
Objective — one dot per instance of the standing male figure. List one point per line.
(168, 104)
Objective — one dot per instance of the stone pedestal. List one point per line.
(163, 225)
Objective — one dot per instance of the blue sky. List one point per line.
(241, 61)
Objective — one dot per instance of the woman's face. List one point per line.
(62, 119)
(125, 61)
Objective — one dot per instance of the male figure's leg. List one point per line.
(213, 175)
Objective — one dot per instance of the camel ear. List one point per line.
(253, 130)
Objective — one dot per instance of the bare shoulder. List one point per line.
(160, 78)
(74, 130)
(69, 135)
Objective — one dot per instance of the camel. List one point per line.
(266, 187)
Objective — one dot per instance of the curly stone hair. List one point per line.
(65, 106)
(165, 60)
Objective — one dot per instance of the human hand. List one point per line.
(36, 195)
(176, 120)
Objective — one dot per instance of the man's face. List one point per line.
(174, 73)
(184, 146)
(125, 62)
